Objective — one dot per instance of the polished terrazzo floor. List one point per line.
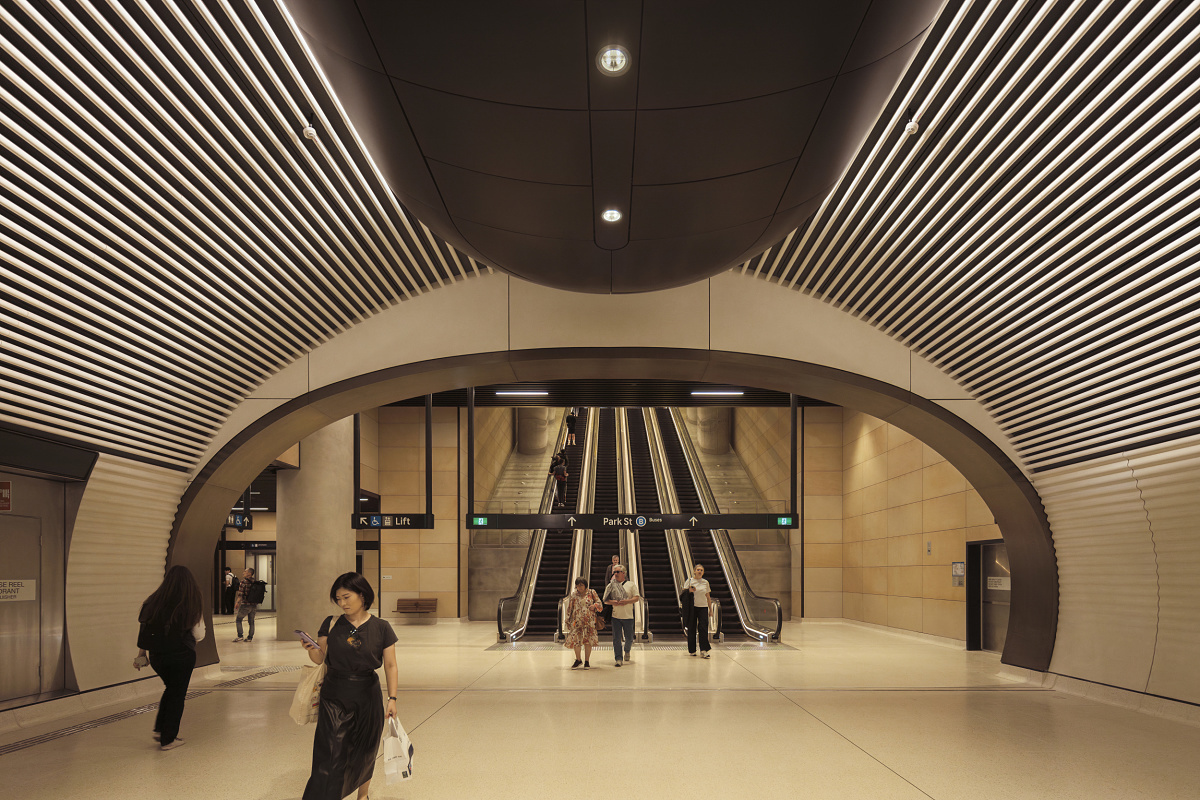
(850, 712)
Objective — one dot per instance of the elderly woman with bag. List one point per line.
(582, 606)
(350, 716)
(171, 623)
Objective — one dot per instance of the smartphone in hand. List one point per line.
(307, 639)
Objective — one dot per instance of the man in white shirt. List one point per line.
(621, 594)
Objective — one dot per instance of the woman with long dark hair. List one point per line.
(350, 716)
(171, 624)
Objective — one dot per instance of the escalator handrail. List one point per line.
(581, 540)
(533, 561)
(677, 545)
(734, 573)
(626, 504)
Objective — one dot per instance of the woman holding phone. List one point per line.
(350, 717)
(171, 624)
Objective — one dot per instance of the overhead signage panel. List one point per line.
(649, 522)
(366, 522)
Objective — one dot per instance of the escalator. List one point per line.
(552, 577)
(605, 493)
(659, 585)
(704, 550)
(605, 545)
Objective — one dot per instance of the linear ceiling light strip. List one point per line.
(82, 30)
(1114, 122)
(290, 123)
(368, 296)
(182, 329)
(136, 180)
(1008, 98)
(59, 357)
(146, 269)
(398, 211)
(830, 212)
(216, 198)
(847, 272)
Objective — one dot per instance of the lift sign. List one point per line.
(17, 590)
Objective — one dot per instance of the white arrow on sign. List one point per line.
(693, 521)
(571, 521)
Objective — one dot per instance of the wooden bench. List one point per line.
(416, 605)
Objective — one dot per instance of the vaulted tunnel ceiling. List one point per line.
(724, 127)
(169, 239)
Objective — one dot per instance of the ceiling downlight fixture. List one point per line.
(611, 215)
(613, 59)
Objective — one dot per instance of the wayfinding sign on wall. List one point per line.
(243, 522)
(366, 522)
(649, 522)
(5, 495)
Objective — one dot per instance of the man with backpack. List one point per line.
(249, 594)
(558, 468)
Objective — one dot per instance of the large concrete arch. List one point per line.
(1000, 482)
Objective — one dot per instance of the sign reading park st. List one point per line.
(650, 522)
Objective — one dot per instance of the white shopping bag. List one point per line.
(397, 753)
(307, 699)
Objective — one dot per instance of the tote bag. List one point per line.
(397, 753)
(308, 694)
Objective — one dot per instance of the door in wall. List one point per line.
(21, 587)
(995, 588)
(264, 570)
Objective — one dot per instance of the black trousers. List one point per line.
(175, 669)
(699, 624)
(228, 594)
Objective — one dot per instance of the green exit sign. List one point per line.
(784, 522)
(479, 521)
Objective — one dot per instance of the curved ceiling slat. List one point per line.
(1038, 238)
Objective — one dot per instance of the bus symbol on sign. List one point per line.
(640, 522)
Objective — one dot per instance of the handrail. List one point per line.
(626, 504)
(533, 561)
(738, 585)
(581, 540)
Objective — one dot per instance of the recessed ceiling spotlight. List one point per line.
(613, 59)
(611, 215)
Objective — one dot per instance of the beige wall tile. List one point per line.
(904, 520)
(445, 459)
(852, 554)
(875, 498)
(929, 456)
(852, 504)
(983, 533)
(822, 435)
(823, 483)
(944, 547)
(875, 440)
(977, 511)
(945, 513)
(393, 556)
(905, 613)
(438, 555)
(822, 604)
(828, 414)
(852, 605)
(945, 618)
(875, 609)
(875, 552)
(823, 531)
(937, 584)
(400, 483)
(852, 580)
(875, 580)
(897, 436)
(822, 507)
(875, 526)
(905, 551)
(447, 601)
(823, 459)
(905, 581)
(852, 478)
(400, 459)
(822, 555)
(942, 479)
(904, 490)
(823, 580)
(404, 579)
(904, 458)
(399, 537)
(445, 507)
(439, 579)
(875, 470)
(445, 531)
(852, 529)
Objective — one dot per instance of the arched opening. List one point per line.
(1014, 503)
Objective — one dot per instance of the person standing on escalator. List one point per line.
(701, 593)
(571, 420)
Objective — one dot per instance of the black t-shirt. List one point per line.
(570, 423)
(349, 650)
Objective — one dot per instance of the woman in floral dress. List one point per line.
(581, 622)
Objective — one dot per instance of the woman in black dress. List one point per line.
(350, 717)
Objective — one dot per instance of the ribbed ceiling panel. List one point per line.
(1038, 237)
(169, 237)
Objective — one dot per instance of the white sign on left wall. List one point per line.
(17, 590)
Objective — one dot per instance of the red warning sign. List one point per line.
(5, 495)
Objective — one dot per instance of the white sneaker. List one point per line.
(704, 654)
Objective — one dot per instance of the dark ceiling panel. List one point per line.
(338, 25)
(526, 53)
(688, 209)
(692, 144)
(675, 258)
(530, 144)
(559, 263)
(888, 27)
(698, 53)
(538, 209)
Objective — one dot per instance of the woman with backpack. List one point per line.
(171, 624)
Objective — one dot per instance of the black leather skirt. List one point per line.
(349, 728)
